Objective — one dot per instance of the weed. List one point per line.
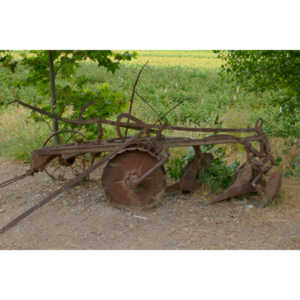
(217, 176)
(176, 163)
(294, 168)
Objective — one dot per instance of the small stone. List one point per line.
(2, 210)
(249, 206)
(140, 217)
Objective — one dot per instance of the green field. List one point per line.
(169, 77)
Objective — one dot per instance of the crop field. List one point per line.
(168, 78)
(190, 76)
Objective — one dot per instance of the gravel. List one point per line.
(82, 219)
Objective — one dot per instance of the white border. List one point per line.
(132, 24)
(149, 275)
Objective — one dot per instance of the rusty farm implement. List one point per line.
(134, 175)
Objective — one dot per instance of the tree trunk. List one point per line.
(53, 94)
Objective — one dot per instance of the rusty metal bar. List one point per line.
(132, 126)
(150, 171)
(167, 142)
(17, 178)
(65, 187)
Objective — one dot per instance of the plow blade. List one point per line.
(240, 186)
(243, 185)
(272, 187)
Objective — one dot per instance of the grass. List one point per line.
(191, 59)
(19, 135)
(170, 76)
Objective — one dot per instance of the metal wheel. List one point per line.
(126, 166)
(60, 169)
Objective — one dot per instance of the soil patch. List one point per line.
(82, 219)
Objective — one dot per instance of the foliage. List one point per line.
(217, 176)
(19, 135)
(71, 91)
(265, 70)
(294, 169)
(177, 162)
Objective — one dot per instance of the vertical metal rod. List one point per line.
(133, 93)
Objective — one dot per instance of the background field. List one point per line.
(169, 77)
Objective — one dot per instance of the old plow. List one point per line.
(134, 174)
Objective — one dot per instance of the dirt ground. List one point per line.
(82, 219)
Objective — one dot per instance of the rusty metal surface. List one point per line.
(240, 186)
(167, 142)
(123, 169)
(272, 187)
(201, 161)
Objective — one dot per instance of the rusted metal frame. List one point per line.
(173, 142)
(249, 148)
(131, 126)
(75, 122)
(62, 131)
(70, 155)
(161, 129)
(167, 142)
(259, 124)
(67, 185)
(213, 130)
(140, 123)
(267, 149)
(111, 146)
(259, 176)
(264, 145)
